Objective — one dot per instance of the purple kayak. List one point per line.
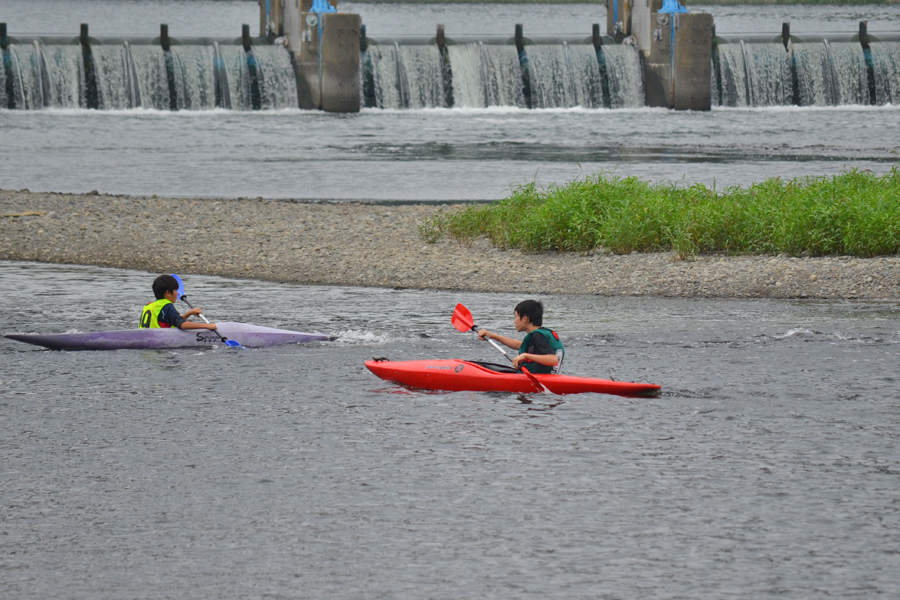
(251, 336)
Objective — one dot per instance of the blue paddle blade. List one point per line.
(233, 344)
(180, 285)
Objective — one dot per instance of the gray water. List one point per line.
(768, 467)
(224, 17)
(429, 154)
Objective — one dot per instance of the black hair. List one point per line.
(163, 284)
(532, 309)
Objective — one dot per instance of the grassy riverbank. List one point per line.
(856, 213)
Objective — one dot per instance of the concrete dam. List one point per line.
(650, 53)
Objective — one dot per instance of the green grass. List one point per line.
(856, 213)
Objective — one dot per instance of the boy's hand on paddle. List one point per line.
(192, 312)
(484, 334)
(518, 360)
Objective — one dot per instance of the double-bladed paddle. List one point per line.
(183, 296)
(463, 321)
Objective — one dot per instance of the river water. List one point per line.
(768, 467)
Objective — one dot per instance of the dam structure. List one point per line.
(307, 55)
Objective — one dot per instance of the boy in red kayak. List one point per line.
(162, 313)
(541, 349)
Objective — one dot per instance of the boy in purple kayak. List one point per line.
(541, 349)
(162, 313)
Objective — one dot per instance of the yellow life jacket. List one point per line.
(150, 314)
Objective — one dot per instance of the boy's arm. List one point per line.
(549, 360)
(191, 313)
(508, 342)
(170, 316)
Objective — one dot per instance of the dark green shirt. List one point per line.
(545, 342)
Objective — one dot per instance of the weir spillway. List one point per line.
(116, 74)
(529, 72)
(478, 73)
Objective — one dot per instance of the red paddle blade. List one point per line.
(462, 318)
(537, 384)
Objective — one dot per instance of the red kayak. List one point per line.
(465, 375)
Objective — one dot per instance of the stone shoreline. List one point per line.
(361, 244)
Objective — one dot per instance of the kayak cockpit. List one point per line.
(494, 367)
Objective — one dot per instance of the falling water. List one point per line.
(733, 75)
(768, 74)
(823, 73)
(486, 75)
(65, 73)
(4, 98)
(150, 71)
(112, 76)
(223, 93)
(561, 75)
(886, 59)
(278, 82)
(202, 77)
(383, 62)
(830, 74)
(848, 69)
(585, 72)
(422, 67)
(626, 83)
(550, 77)
(129, 76)
(195, 82)
(132, 91)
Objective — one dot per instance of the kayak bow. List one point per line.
(465, 375)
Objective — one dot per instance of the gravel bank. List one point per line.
(377, 245)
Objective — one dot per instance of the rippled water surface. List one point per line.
(429, 154)
(769, 467)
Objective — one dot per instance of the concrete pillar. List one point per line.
(263, 18)
(340, 62)
(870, 63)
(679, 77)
(276, 20)
(271, 18)
(8, 99)
(440, 39)
(328, 61)
(292, 25)
(523, 65)
(166, 43)
(640, 24)
(597, 41)
(618, 18)
(91, 95)
(693, 61)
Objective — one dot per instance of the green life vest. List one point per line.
(150, 315)
(557, 346)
